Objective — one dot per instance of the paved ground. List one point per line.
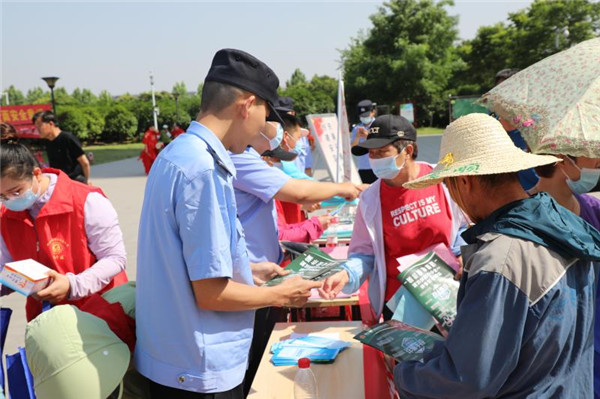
(123, 182)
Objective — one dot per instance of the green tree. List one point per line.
(199, 90)
(84, 96)
(15, 96)
(105, 98)
(120, 125)
(408, 54)
(62, 97)
(37, 96)
(180, 89)
(74, 120)
(95, 122)
(297, 78)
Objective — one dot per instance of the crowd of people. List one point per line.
(221, 195)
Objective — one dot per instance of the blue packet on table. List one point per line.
(289, 355)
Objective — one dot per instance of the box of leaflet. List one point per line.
(25, 276)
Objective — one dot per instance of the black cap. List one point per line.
(240, 69)
(385, 130)
(280, 153)
(506, 73)
(365, 107)
(284, 104)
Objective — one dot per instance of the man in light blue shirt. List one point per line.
(366, 112)
(196, 290)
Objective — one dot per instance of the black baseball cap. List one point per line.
(365, 107)
(284, 104)
(385, 130)
(281, 154)
(240, 69)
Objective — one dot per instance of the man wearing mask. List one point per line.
(525, 309)
(568, 182)
(392, 221)
(366, 111)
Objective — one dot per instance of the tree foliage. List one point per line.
(120, 124)
(408, 54)
(311, 97)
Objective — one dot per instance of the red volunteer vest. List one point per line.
(57, 237)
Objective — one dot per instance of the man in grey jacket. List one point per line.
(525, 318)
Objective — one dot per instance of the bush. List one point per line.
(95, 123)
(73, 120)
(120, 124)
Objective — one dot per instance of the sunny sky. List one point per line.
(113, 45)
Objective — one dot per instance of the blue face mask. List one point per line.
(587, 181)
(366, 120)
(299, 146)
(275, 141)
(386, 168)
(23, 201)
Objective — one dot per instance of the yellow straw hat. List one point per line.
(477, 144)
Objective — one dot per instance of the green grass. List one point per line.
(113, 152)
(424, 131)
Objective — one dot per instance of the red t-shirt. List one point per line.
(412, 221)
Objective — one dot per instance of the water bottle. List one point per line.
(332, 236)
(305, 384)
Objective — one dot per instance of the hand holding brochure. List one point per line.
(430, 279)
(313, 264)
(401, 341)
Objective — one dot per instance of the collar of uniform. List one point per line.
(213, 142)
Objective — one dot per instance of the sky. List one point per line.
(114, 45)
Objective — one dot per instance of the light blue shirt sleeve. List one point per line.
(359, 267)
(199, 217)
(256, 177)
(291, 169)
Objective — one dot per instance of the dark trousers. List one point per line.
(367, 176)
(264, 322)
(158, 391)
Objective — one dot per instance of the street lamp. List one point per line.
(51, 82)
(176, 95)
(154, 108)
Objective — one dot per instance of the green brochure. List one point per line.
(313, 264)
(431, 281)
(401, 341)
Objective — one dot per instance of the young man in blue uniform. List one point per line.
(366, 112)
(196, 291)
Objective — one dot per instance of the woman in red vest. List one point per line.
(150, 151)
(65, 225)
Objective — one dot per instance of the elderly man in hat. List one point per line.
(196, 291)
(525, 314)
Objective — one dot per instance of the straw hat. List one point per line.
(74, 354)
(477, 144)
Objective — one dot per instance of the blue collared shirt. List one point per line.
(189, 231)
(362, 162)
(256, 183)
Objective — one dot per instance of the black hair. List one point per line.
(401, 144)
(47, 117)
(16, 161)
(217, 96)
(289, 121)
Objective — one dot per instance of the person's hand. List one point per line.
(459, 273)
(294, 292)
(57, 291)
(265, 271)
(311, 207)
(362, 187)
(349, 191)
(334, 284)
(325, 220)
(362, 132)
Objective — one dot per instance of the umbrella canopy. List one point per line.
(555, 102)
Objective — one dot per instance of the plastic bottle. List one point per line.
(332, 235)
(305, 384)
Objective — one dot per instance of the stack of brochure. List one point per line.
(317, 349)
(312, 264)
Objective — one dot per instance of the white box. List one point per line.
(25, 276)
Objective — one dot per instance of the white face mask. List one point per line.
(275, 141)
(386, 168)
(366, 120)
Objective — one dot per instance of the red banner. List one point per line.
(20, 117)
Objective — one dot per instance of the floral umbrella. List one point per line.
(555, 102)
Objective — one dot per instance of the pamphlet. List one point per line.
(431, 281)
(317, 349)
(313, 264)
(401, 341)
